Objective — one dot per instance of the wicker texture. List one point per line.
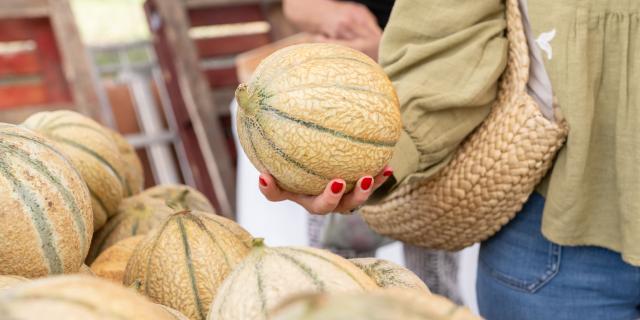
(492, 173)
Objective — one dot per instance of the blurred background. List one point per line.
(163, 73)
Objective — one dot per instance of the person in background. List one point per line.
(359, 25)
(573, 251)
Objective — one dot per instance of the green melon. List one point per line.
(182, 263)
(315, 112)
(387, 304)
(45, 213)
(92, 151)
(268, 276)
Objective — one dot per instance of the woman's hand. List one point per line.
(348, 20)
(333, 199)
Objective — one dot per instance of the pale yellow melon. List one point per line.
(315, 112)
(387, 274)
(77, 297)
(133, 172)
(387, 304)
(92, 151)
(45, 208)
(8, 281)
(111, 263)
(136, 215)
(268, 276)
(182, 263)
(180, 196)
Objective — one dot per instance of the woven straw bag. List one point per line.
(490, 176)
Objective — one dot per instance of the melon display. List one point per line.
(77, 297)
(111, 263)
(389, 275)
(387, 304)
(92, 151)
(136, 215)
(133, 172)
(8, 281)
(315, 112)
(270, 275)
(180, 196)
(182, 263)
(46, 221)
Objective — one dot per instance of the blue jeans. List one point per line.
(522, 275)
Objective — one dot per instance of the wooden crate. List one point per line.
(198, 62)
(43, 63)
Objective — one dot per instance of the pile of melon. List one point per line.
(71, 196)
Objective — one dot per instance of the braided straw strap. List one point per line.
(490, 176)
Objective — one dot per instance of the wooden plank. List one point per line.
(20, 29)
(21, 63)
(222, 77)
(78, 68)
(224, 15)
(23, 8)
(192, 104)
(14, 96)
(213, 47)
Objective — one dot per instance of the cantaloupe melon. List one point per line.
(77, 297)
(133, 173)
(387, 304)
(7, 281)
(315, 112)
(180, 196)
(46, 221)
(136, 215)
(92, 151)
(182, 263)
(389, 275)
(111, 263)
(270, 275)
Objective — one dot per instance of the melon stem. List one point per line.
(244, 99)
(257, 242)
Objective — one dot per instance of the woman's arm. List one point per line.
(444, 58)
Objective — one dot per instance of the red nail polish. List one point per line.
(263, 182)
(336, 187)
(387, 172)
(365, 184)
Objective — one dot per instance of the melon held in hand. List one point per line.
(316, 112)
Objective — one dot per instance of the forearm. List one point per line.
(308, 15)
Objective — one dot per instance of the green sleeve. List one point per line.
(444, 58)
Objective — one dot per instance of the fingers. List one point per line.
(360, 194)
(270, 189)
(382, 177)
(326, 202)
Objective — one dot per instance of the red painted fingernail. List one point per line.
(387, 172)
(365, 184)
(263, 182)
(336, 186)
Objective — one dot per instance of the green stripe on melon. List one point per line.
(92, 151)
(45, 218)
